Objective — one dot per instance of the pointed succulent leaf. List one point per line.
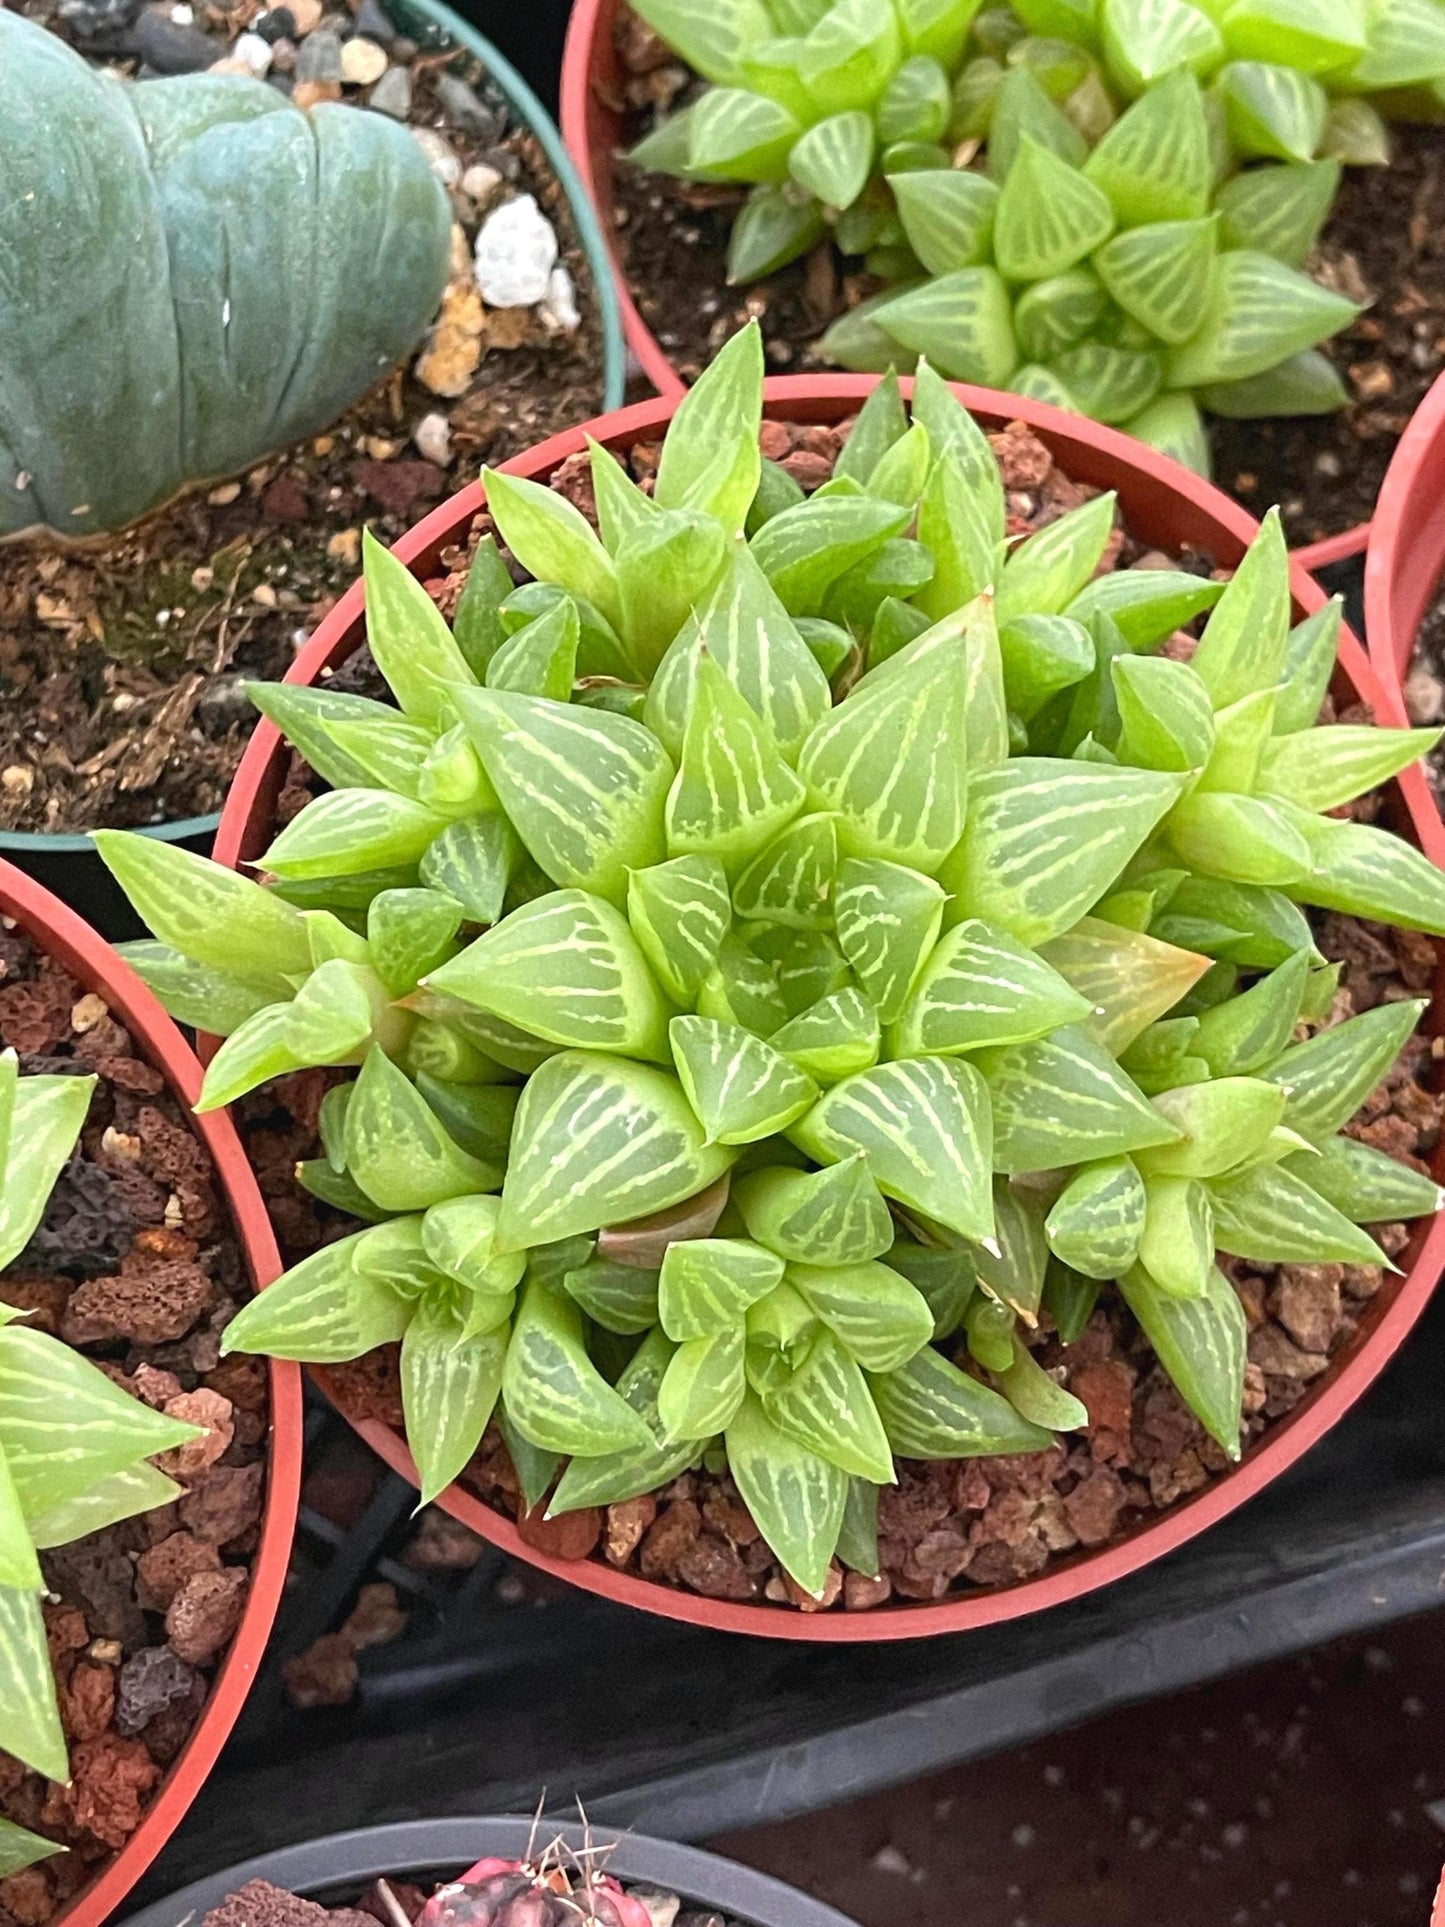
(1366, 1185)
(1062, 1100)
(1313, 38)
(733, 791)
(1216, 1125)
(680, 913)
(1319, 769)
(1097, 1220)
(346, 831)
(932, 1410)
(1160, 274)
(1011, 1266)
(556, 1397)
(1242, 839)
(476, 623)
(42, 1117)
(831, 1217)
(1111, 383)
(1154, 162)
(834, 1038)
(1278, 210)
(254, 1053)
(721, 412)
(848, 56)
(122, 1495)
(1037, 1396)
(1272, 111)
(858, 1539)
(825, 1404)
(946, 1280)
(1328, 1077)
(1273, 1216)
(888, 920)
(620, 1298)
(586, 790)
(645, 1241)
(1404, 46)
(323, 1311)
(832, 160)
(396, 1147)
(947, 216)
(409, 932)
(936, 28)
(540, 658)
(664, 566)
(955, 524)
(1367, 872)
(1177, 1246)
(804, 550)
(1307, 383)
(1309, 662)
(459, 1237)
(1054, 313)
(389, 753)
(598, 1140)
(1045, 574)
(1165, 714)
(610, 1478)
(1044, 839)
(553, 540)
(714, 42)
(954, 435)
(790, 882)
(1247, 1032)
(1173, 424)
(1200, 1342)
(707, 1285)
(1022, 110)
(208, 913)
(924, 1125)
(1356, 134)
(1128, 978)
(796, 1497)
(1049, 215)
(30, 1726)
(1256, 928)
(960, 321)
(882, 422)
(771, 229)
(1146, 40)
(703, 1385)
(413, 647)
(736, 135)
(981, 987)
(473, 862)
(742, 989)
(1042, 655)
(449, 1387)
(1258, 312)
(880, 1317)
(740, 1086)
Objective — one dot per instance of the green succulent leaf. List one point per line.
(791, 881)
(981, 987)
(947, 216)
(20, 1848)
(714, 43)
(40, 1120)
(610, 1477)
(1328, 1077)
(833, 159)
(680, 912)
(413, 647)
(932, 1410)
(1062, 1100)
(1200, 1342)
(1049, 215)
(888, 920)
(740, 1086)
(122, 1495)
(960, 321)
(805, 549)
(1272, 111)
(208, 913)
(1037, 1396)
(322, 1312)
(1177, 1245)
(880, 1317)
(556, 1397)
(826, 1406)
(396, 1148)
(796, 1497)
(1274, 1216)
(1278, 210)
(703, 1385)
(1258, 312)
(834, 1038)
(1366, 872)
(1161, 274)
(1147, 40)
(1127, 977)
(1095, 1224)
(1154, 162)
(772, 228)
(449, 1387)
(733, 791)
(1366, 1185)
(620, 1298)
(553, 541)
(30, 1722)
(836, 1216)
(1111, 383)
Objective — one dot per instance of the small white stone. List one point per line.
(253, 52)
(183, 16)
(559, 310)
(516, 252)
(441, 156)
(480, 183)
(662, 1909)
(362, 61)
(433, 438)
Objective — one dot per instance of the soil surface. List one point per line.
(1384, 245)
(136, 1265)
(121, 667)
(946, 1527)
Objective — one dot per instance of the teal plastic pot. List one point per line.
(68, 865)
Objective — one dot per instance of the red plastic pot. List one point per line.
(1166, 507)
(59, 933)
(1406, 558)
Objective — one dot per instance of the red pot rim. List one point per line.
(1333, 548)
(1165, 504)
(1407, 540)
(60, 933)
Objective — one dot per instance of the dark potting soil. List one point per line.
(1384, 245)
(945, 1526)
(121, 666)
(136, 1265)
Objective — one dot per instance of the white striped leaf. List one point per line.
(1049, 215)
(1201, 1343)
(30, 1726)
(305, 716)
(1272, 1216)
(396, 1147)
(888, 761)
(955, 436)
(1040, 384)
(1241, 839)
(804, 550)
(742, 989)
(960, 321)
(936, 27)
(1038, 1397)
(707, 1285)
(877, 1314)
(932, 1410)
(1405, 46)
(847, 57)
(1022, 108)
(413, 647)
(565, 967)
(1258, 312)
(710, 459)
(1145, 40)
(888, 919)
(322, 1312)
(713, 41)
(791, 881)
(1011, 1266)
(396, 1254)
(331, 1018)
(621, 505)
(1177, 1246)
(1062, 1100)
(881, 423)
(1329, 1076)
(1248, 1031)
(409, 932)
(384, 754)
(600, 1140)
(1044, 574)
(754, 640)
(1355, 134)
(735, 135)
(1042, 655)
(832, 160)
(733, 791)
(831, 1217)
(252, 1055)
(1110, 383)
(925, 1127)
(1307, 383)
(1319, 769)
(1160, 274)
(1165, 716)
(1242, 649)
(621, 1298)
(449, 1388)
(1367, 1185)
(1097, 1220)
(459, 1236)
(123, 1495)
(1128, 979)
(585, 790)
(680, 913)
(980, 987)
(1046, 838)
(553, 541)
(741, 1087)
(1146, 604)
(826, 1406)
(663, 566)
(808, 964)
(771, 229)
(947, 215)
(1367, 872)
(1054, 313)
(540, 658)
(556, 1397)
(945, 1279)
(1315, 38)
(347, 831)
(1154, 162)
(703, 1385)
(1272, 111)
(795, 1497)
(1278, 210)
(834, 1038)
(955, 524)
(40, 1120)
(1218, 1124)
(473, 861)
(193, 993)
(610, 1477)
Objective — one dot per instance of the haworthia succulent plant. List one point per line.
(59, 1480)
(1104, 204)
(759, 1074)
(197, 273)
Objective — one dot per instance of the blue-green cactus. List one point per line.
(192, 273)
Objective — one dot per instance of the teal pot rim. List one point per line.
(520, 97)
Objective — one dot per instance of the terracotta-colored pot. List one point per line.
(59, 933)
(1168, 508)
(1406, 557)
(593, 126)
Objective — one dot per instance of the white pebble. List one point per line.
(559, 310)
(433, 437)
(183, 16)
(363, 62)
(516, 252)
(253, 52)
(441, 156)
(480, 183)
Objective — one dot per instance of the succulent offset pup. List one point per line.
(1126, 244)
(788, 947)
(60, 1478)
